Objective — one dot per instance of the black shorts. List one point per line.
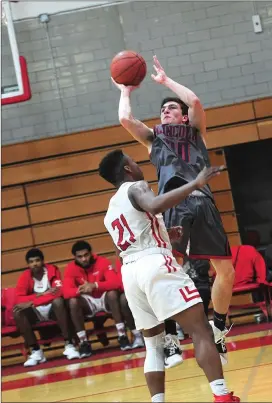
(202, 226)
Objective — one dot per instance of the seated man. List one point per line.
(91, 286)
(39, 298)
(249, 265)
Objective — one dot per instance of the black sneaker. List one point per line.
(124, 342)
(172, 351)
(85, 349)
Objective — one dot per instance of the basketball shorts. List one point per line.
(44, 312)
(96, 304)
(41, 313)
(157, 288)
(202, 226)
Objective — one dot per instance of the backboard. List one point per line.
(14, 77)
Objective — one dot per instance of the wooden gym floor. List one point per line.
(113, 376)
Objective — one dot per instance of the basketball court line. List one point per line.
(253, 373)
(56, 363)
(19, 372)
(31, 381)
(166, 382)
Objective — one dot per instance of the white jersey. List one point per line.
(134, 231)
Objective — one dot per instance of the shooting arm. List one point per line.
(135, 127)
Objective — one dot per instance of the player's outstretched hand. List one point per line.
(123, 87)
(161, 76)
(207, 174)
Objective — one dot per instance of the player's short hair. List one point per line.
(34, 252)
(183, 106)
(80, 245)
(111, 167)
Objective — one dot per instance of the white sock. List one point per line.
(82, 335)
(136, 333)
(121, 330)
(159, 397)
(219, 387)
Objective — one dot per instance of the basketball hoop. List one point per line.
(4, 20)
(4, 5)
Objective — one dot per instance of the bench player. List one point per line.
(156, 287)
(177, 149)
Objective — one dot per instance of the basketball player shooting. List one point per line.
(177, 149)
(156, 287)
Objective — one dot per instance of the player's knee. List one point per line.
(74, 304)
(198, 325)
(58, 303)
(225, 270)
(154, 359)
(18, 315)
(112, 296)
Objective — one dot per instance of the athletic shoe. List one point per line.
(172, 351)
(180, 333)
(220, 341)
(226, 398)
(138, 342)
(124, 342)
(35, 358)
(85, 349)
(71, 352)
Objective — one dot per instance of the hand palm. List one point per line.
(160, 76)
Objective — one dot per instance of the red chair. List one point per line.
(8, 328)
(250, 276)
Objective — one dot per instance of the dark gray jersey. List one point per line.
(179, 154)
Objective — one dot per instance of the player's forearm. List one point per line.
(125, 112)
(134, 126)
(184, 93)
(170, 199)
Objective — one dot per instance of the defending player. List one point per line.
(156, 287)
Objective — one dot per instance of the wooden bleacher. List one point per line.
(52, 194)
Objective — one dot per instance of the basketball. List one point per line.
(128, 68)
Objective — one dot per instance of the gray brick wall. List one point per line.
(208, 46)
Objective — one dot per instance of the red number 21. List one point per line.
(121, 224)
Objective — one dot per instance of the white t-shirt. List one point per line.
(39, 287)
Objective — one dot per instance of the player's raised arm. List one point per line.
(143, 198)
(196, 112)
(135, 127)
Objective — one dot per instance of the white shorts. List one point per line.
(96, 304)
(157, 288)
(43, 312)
